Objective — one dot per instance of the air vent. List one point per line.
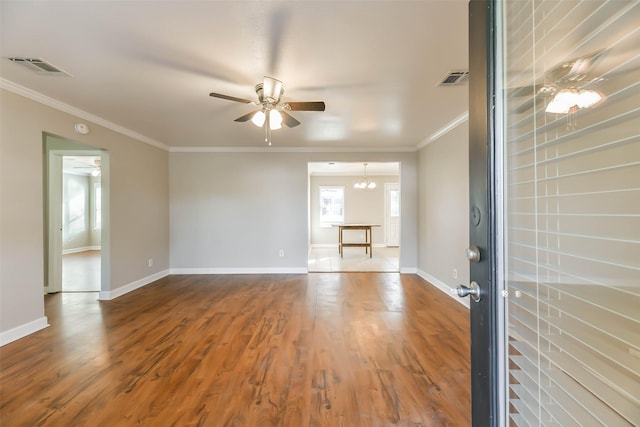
(454, 78)
(40, 66)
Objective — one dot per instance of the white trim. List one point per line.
(110, 295)
(408, 270)
(23, 330)
(61, 106)
(81, 249)
(443, 287)
(445, 129)
(292, 149)
(265, 270)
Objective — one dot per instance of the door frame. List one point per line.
(53, 201)
(488, 391)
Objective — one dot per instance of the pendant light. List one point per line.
(365, 183)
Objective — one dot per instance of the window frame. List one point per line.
(321, 220)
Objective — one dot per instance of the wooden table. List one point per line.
(368, 241)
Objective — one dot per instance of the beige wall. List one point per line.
(235, 211)
(139, 212)
(361, 206)
(444, 208)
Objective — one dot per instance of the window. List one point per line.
(331, 205)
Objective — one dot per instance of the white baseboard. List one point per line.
(23, 330)
(265, 270)
(113, 294)
(82, 249)
(443, 287)
(408, 270)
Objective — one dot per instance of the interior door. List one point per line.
(392, 214)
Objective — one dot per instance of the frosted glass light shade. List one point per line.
(258, 119)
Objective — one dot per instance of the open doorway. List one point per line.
(81, 223)
(76, 200)
(337, 197)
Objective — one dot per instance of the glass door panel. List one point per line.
(570, 113)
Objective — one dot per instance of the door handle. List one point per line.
(472, 290)
(473, 254)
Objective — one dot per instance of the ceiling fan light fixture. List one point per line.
(566, 99)
(588, 98)
(275, 120)
(258, 119)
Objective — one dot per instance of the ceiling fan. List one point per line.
(94, 168)
(566, 85)
(273, 111)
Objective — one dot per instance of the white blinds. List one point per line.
(572, 214)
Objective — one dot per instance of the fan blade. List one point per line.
(520, 91)
(306, 106)
(288, 119)
(230, 98)
(246, 117)
(575, 70)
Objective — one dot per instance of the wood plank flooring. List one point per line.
(323, 349)
(81, 271)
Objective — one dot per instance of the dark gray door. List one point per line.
(482, 229)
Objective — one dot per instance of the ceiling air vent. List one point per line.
(40, 66)
(454, 78)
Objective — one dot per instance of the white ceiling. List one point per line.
(149, 66)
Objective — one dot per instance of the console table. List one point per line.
(368, 241)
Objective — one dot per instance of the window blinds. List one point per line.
(572, 214)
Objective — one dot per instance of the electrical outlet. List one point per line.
(455, 273)
(150, 262)
(281, 253)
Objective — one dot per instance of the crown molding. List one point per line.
(66, 108)
(444, 130)
(292, 150)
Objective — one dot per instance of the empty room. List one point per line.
(319, 213)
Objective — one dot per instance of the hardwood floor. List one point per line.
(323, 349)
(81, 271)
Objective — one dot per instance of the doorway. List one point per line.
(81, 223)
(334, 198)
(76, 200)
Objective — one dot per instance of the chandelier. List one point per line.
(364, 183)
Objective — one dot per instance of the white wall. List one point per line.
(444, 209)
(74, 188)
(233, 212)
(361, 206)
(139, 208)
